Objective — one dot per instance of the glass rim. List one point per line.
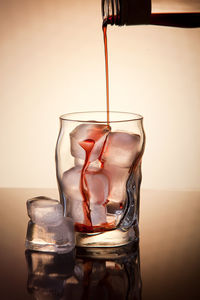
(71, 117)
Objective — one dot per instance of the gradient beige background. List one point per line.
(52, 62)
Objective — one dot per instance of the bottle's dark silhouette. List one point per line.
(138, 12)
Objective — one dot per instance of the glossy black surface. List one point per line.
(74, 276)
(165, 266)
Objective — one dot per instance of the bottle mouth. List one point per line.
(126, 12)
(111, 12)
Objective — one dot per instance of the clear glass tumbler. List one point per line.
(98, 166)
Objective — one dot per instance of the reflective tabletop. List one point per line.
(164, 265)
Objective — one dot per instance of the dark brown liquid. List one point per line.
(184, 20)
(106, 68)
(91, 229)
(88, 145)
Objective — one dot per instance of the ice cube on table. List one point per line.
(117, 182)
(63, 233)
(45, 211)
(121, 149)
(59, 238)
(95, 132)
(48, 230)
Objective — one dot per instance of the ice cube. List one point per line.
(95, 132)
(121, 149)
(71, 183)
(47, 238)
(96, 164)
(97, 185)
(45, 211)
(71, 188)
(76, 210)
(64, 232)
(117, 182)
(98, 214)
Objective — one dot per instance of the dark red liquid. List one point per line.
(88, 145)
(92, 229)
(106, 68)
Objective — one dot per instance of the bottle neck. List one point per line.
(126, 12)
(138, 12)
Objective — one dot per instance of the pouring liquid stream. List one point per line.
(104, 27)
(88, 145)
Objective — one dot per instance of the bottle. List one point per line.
(139, 12)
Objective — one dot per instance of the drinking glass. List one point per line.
(98, 166)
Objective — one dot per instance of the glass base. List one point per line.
(108, 253)
(112, 238)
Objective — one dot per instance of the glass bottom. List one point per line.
(108, 253)
(112, 238)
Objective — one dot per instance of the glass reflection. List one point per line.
(105, 274)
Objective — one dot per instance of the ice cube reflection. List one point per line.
(112, 273)
(47, 273)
